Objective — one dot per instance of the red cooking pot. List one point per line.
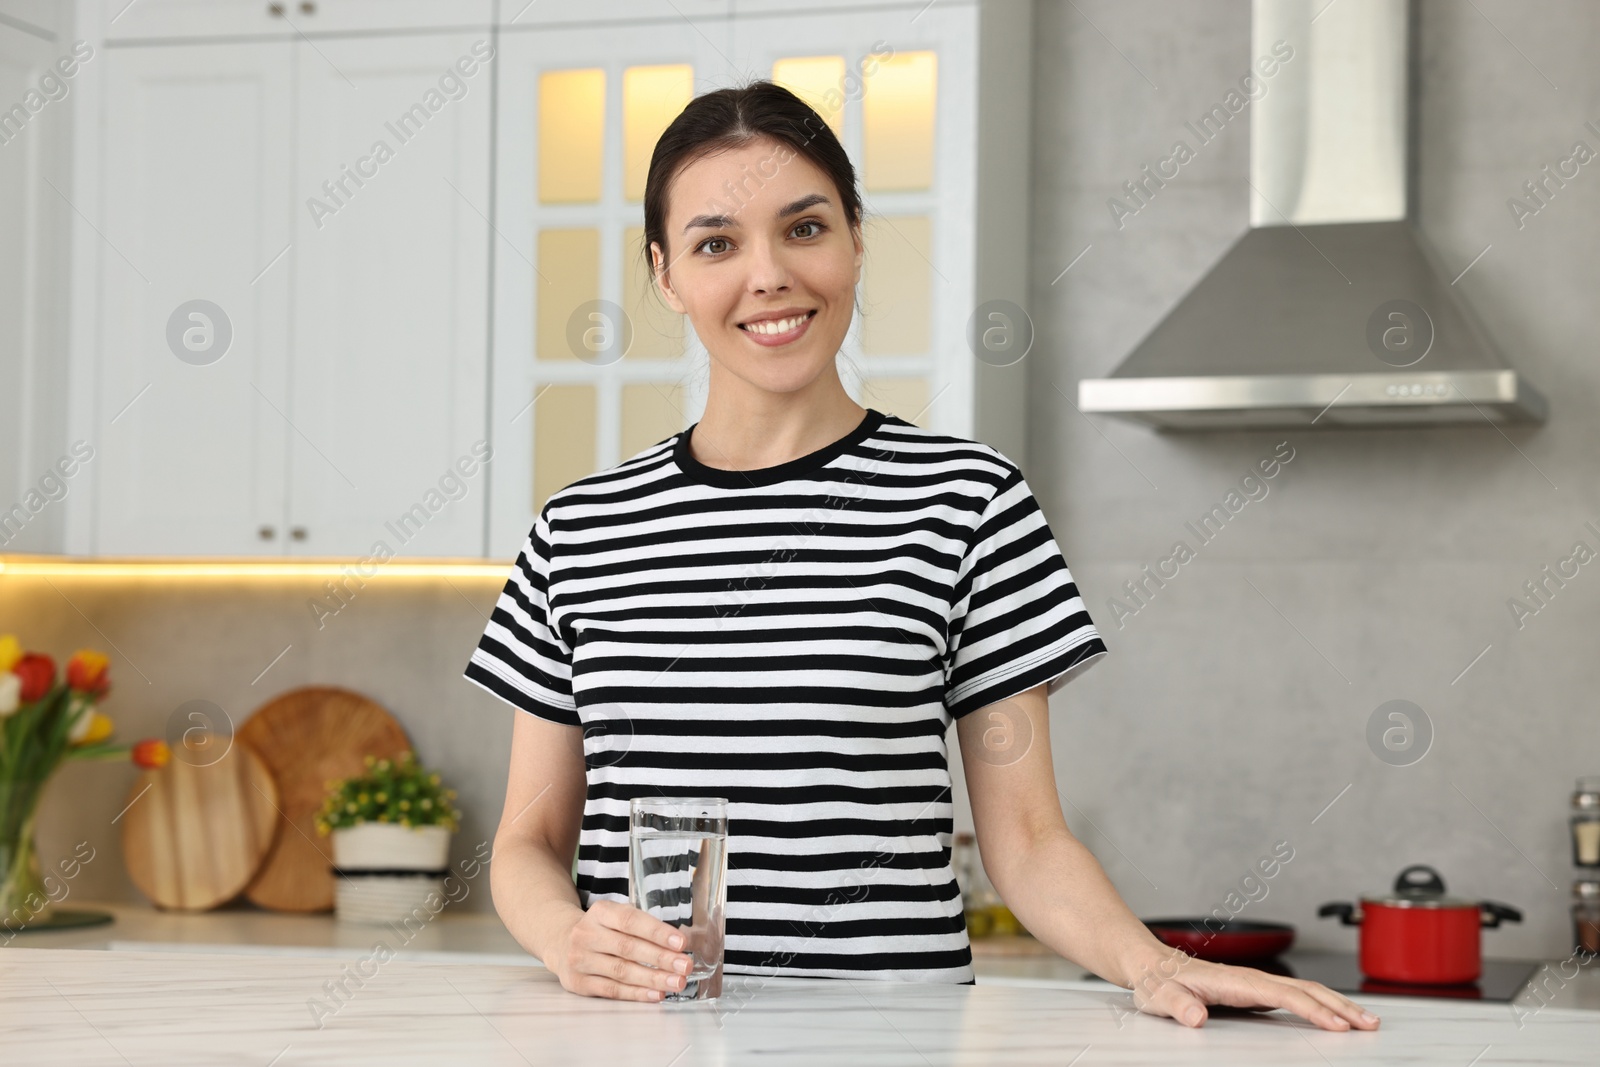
(1417, 934)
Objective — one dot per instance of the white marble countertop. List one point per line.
(240, 986)
(62, 1006)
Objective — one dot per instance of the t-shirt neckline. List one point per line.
(729, 479)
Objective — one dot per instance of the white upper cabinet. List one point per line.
(191, 421)
(390, 263)
(579, 114)
(329, 204)
(288, 225)
(33, 378)
(168, 19)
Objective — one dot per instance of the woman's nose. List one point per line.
(769, 273)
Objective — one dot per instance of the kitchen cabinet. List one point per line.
(280, 343)
(931, 103)
(579, 112)
(192, 426)
(32, 409)
(390, 295)
(335, 373)
(148, 20)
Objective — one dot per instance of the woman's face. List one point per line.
(761, 258)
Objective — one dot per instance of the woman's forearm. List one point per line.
(533, 892)
(1061, 895)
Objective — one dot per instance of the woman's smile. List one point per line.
(775, 332)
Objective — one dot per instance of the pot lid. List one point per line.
(1419, 886)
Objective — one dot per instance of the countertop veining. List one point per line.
(124, 1007)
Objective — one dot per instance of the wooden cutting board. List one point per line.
(193, 836)
(307, 737)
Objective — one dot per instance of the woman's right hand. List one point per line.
(618, 951)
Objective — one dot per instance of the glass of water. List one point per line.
(678, 873)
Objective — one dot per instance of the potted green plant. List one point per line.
(391, 832)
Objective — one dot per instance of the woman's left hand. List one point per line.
(1180, 986)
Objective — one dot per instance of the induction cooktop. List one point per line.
(1500, 982)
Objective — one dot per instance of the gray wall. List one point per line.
(1214, 728)
(1218, 726)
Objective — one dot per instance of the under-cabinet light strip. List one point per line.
(48, 567)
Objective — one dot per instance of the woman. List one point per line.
(787, 604)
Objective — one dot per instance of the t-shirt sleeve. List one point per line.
(1017, 620)
(521, 657)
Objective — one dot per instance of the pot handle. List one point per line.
(1347, 913)
(1419, 877)
(1494, 914)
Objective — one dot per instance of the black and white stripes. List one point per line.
(797, 639)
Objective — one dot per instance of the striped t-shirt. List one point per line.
(796, 639)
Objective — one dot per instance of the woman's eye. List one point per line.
(814, 225)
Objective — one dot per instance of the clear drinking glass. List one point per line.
(678, 872)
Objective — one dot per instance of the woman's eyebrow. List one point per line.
(722, 222)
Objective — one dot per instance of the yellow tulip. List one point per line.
(10, 651)
(100, 728)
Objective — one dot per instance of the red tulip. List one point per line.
(151, 753)
(38, 675)
(86, 672)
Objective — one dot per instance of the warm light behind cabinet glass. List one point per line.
(651, 98)
(897, 285)
(569, 277)
(819, 81)
(563, 437)
(897, 111)
(572, 125)
(651, 412)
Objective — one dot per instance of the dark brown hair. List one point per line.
(731, 118)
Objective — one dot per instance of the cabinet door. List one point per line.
(391, 202)
(579, 113)
(191, 407)
(32, 378)
(896, 86)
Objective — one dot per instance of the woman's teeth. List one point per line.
(777, 325)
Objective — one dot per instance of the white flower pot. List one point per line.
(387, 845)
(389, 848)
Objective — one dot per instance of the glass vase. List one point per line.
(23, 901)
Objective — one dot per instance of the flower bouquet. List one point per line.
(43, 723)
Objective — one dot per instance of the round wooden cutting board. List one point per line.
(193, 836)
(306, 737)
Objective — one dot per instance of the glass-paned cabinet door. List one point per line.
(895, 84)
(590, 364)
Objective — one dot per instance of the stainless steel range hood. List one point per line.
(1331, 310)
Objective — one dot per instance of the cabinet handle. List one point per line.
(275, 10)
(297, 532)
(307, 7)
(267, 533)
